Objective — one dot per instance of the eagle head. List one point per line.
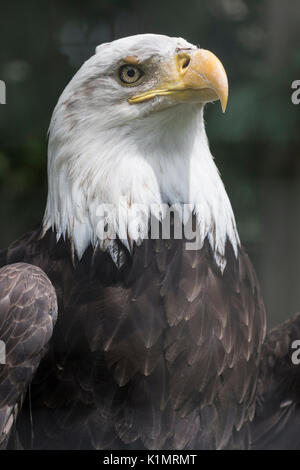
(128, 131)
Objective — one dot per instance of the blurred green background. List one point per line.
(256, 144)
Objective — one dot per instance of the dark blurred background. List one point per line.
(256, 143)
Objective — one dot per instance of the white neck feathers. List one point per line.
(161, 158)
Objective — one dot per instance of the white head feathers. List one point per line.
(103, 150)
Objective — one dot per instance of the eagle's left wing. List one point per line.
(277, 419)
(28, 311)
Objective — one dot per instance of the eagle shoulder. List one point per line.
(28, 312)
(277, 419)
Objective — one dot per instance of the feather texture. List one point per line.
(28, 311)
(153, 355)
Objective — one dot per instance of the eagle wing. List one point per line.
(28, 311)
(277, 420)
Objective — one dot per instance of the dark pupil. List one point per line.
(131, 73)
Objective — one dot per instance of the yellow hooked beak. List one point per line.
(194, 76)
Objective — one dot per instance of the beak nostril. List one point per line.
(186, 63)
(183, 60)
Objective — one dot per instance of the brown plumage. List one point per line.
(277, 420)
(162, 353)
(28, 311)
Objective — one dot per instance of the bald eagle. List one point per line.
(117, 337)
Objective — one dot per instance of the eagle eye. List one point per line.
(130, 74)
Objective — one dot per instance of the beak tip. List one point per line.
(224, 102)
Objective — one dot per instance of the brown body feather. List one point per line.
(162, 353)
(277, 419)
(28, 311)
